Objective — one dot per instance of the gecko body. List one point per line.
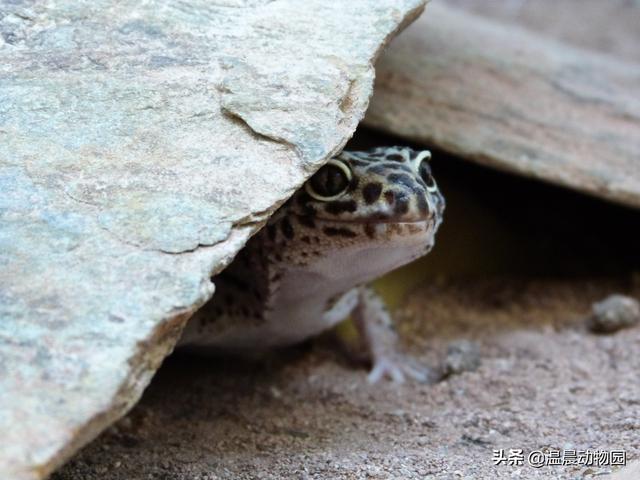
(358, 217)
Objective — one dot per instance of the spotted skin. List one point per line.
(360, 216)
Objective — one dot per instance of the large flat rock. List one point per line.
(609, 27)
(141, 143)
(516, 100)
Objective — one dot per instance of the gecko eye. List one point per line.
(330, 182)
(425, 173)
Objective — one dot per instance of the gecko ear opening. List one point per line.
(330, 182)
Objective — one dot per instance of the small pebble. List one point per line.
(614, 313)
(462, 356)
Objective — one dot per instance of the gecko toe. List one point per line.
(384, 368)
(400, 370)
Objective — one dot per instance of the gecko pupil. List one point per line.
(329, 181)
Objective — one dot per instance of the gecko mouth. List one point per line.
(425, 226)
(431, 220)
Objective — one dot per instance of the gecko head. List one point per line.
(359, 216)
(373, 191)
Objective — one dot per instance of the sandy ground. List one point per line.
(544, 382)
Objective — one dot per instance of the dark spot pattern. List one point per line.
(271, 232)
(371, 192)
(370, 230)
(287, 229)
(338, 207)
(339, 232)
(303, 198)
(402, 205)
(235, 281)
(390, 197)
(310, 210)
(379, 216)
(307, 221)
(396, 157)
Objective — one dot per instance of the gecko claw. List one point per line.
(398, 371)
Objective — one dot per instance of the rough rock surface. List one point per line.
(512, 99)
(609, 27)
(140, 145)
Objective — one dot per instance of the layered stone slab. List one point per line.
(512, 99)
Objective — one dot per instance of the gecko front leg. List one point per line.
(381, 340)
